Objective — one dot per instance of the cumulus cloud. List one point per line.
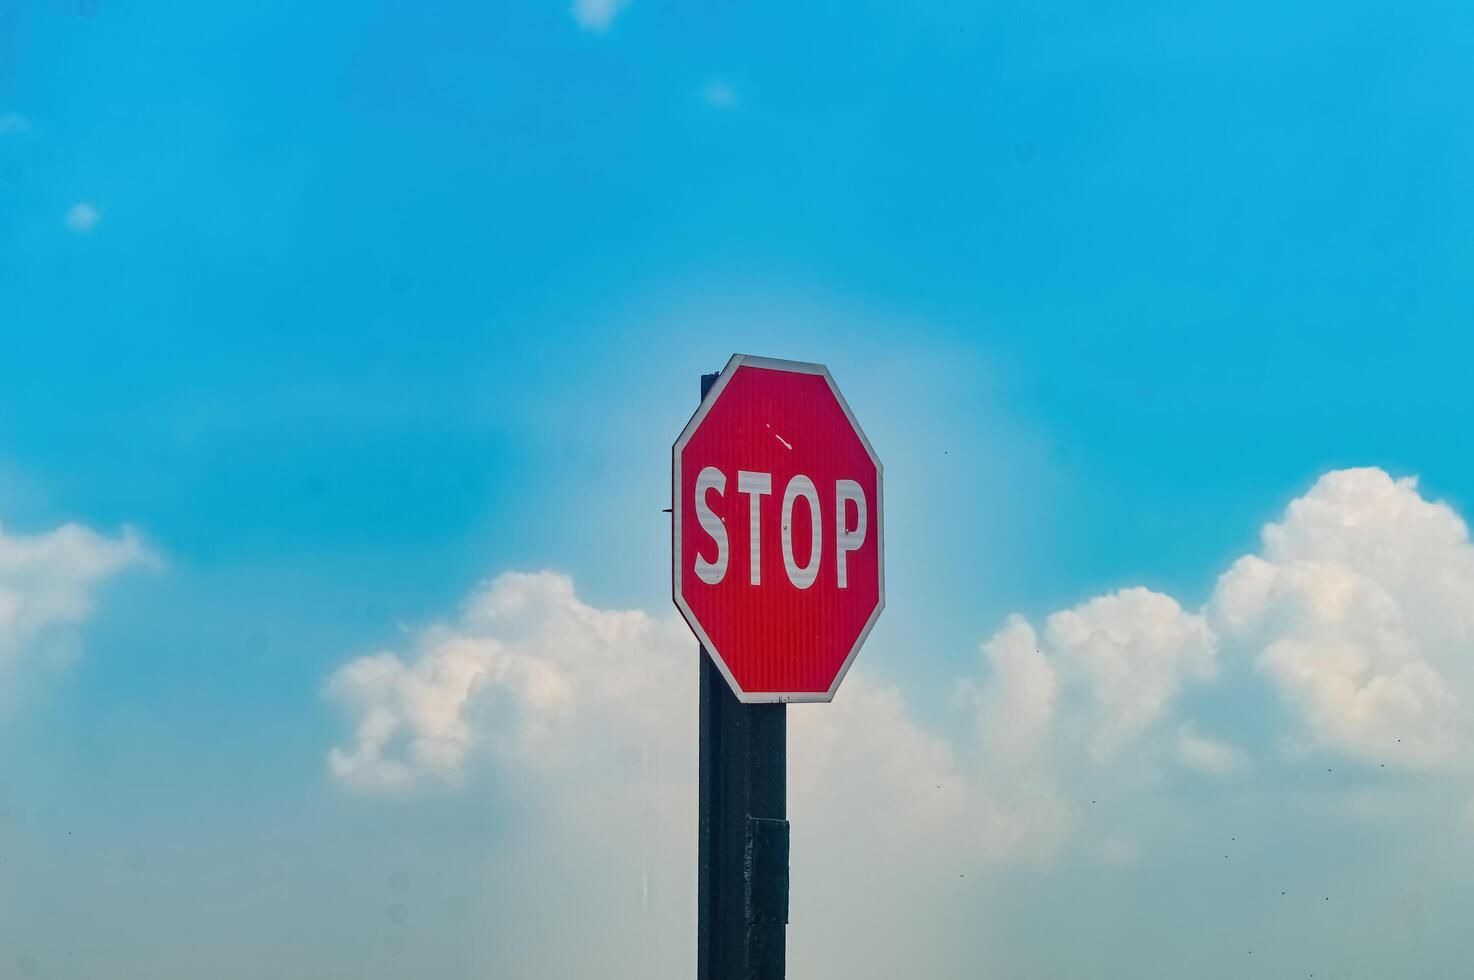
(530, 680)
(576, 726)
(48, 579)
(1084, 709)
(524, 674)
(1134, 650)
(1015, 710)
(82, 217)
(1096, 688)
(1359, 609)
(597, 15)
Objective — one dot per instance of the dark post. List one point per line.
(742, 861)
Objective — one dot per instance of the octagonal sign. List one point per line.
(778, 551)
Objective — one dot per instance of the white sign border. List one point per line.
(795, 367)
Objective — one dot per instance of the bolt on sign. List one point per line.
(778, 550)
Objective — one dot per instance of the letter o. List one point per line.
(802, 577)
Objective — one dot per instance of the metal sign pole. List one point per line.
(742, 860)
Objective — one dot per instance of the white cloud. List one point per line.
(597, 15)
(13, 123)
(1360, 611)
(524, 674)
(1105, 675)
(584, 721)
(1134, 650)
(529, 679)
(1016, 707)
(719, 94)
(1079, 714)
(48, 579)
(82, 217)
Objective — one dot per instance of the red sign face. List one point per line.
(778, 551)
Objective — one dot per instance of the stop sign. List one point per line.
(778, 551)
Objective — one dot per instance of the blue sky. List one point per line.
(349, 309)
